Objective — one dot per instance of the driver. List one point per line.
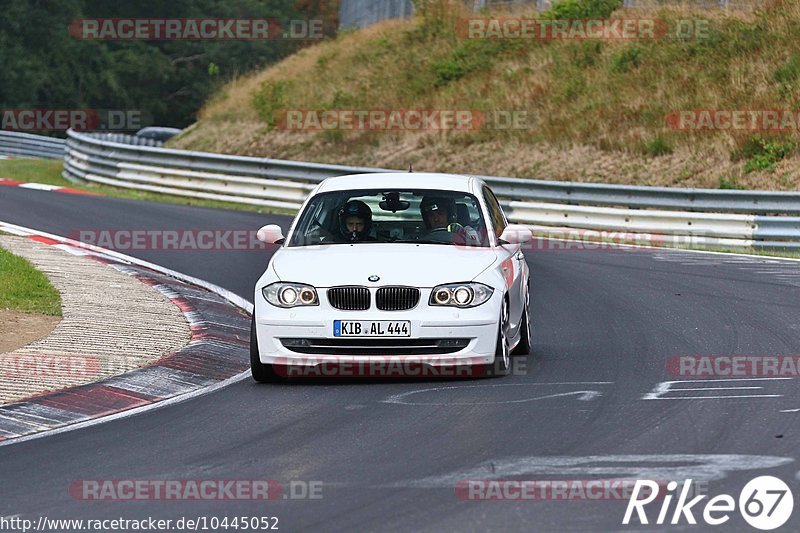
(355, 221)
(437, 213)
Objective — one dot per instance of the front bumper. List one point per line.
(462, 336)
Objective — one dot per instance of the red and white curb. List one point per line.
(216, 355)
(6, 182)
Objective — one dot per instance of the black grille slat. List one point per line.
(366, 346)
(349, 298)
(396, 298)
(381, 342)
(386, 298)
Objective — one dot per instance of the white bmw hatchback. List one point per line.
(394, 267)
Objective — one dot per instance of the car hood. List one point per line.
(419, 265)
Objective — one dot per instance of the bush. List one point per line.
(657, 147)
(788, 72)
(470, 56)
(763, 154)
(270, 99)
(626, 59)
(582, 9)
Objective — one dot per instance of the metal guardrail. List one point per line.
(639, 197)
(696, 217)
(18, 144)
(126, 138)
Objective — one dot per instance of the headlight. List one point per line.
(290, 294)
(460, 294)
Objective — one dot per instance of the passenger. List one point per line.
(355, 221)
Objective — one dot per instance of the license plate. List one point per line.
(371, 328)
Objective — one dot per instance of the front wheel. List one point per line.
(502, 355)
(525, 344)
(263, 373)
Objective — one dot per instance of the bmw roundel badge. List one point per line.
(373, 278)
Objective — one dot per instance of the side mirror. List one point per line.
(516, 234)
(270, 234)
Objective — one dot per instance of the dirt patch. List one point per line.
(20, 329)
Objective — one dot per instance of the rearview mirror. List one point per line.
(516, 234)
(392, 202)
(270, 234)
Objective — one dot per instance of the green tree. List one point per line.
(45, 67)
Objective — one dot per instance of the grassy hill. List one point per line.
(595, 110)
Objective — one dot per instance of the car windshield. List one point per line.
(391, 216)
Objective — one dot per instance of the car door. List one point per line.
(512, 262)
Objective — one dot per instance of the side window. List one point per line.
(474, 211)
(495, 212)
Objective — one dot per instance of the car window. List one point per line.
(495, 212)
(416, 216)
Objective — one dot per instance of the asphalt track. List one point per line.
(389, 454)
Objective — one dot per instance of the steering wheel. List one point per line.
(318, 232)
(438, 234)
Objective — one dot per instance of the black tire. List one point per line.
(525, 344)
(502, 355)
(263, 373)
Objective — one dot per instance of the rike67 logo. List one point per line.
(765, 503)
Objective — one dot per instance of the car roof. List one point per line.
(396, 180)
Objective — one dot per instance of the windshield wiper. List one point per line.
(422, 241)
